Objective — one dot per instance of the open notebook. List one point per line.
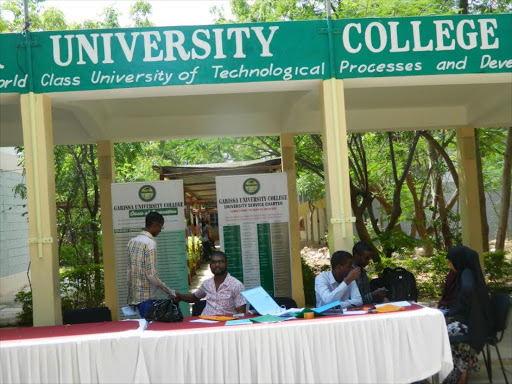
(264, 304)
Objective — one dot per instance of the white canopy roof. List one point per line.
(267, 108)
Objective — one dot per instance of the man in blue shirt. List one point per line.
(339, 283)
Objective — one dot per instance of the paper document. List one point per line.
(345, 312)
(262, 302)
(270, 319)
(131, 310)
(239, 322)
(291, 311)
(143, 323)
(203, 321)
(397, 303)
(325, 307)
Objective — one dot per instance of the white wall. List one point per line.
(14, 253)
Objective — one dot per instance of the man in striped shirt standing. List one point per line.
(142, 278)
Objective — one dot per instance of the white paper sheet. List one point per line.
(130, 311)
(345, 312)
(262, 302)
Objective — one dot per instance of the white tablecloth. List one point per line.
(98, 358)
(385, 348)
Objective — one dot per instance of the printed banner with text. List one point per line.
(254, 230)
(131, 203)
(239, 53)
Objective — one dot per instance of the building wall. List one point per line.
(14, 252)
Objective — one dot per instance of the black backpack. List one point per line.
(401, 284)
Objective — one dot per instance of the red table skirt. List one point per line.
(186, 324)
(23, 333)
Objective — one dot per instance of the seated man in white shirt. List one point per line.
(339, 283)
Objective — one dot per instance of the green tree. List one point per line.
(139, 14)
(110, 17)
(434, 219)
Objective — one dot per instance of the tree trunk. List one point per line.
(439, 200)
(481, 192)
(318, 226)
(505, 194)
(420, 219)
(361, 229)
(464, 7)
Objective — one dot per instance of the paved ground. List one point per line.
(9, 310)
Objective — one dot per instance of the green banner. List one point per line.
(237, 53)
(233, 250)
(265, 258)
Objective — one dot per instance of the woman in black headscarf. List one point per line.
(469, 320)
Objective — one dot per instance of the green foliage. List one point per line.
(194, 251)
(139, 14)
(385, 262)
(430, 272)
(308, 278)
(24, 298)
(310, 186)
(110, 17)
(53, 20)
(12, 15)
(397, 242)
(50, 19)
(498, 271)
(78, 289)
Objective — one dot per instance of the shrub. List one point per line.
(498, 271)
(24, 298)
(308, 278)
(80, 287)
(430, 272)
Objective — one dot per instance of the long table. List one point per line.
(400, 347)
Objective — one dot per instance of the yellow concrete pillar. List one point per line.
(36, 115)
(288, 166)
(336, 170)
(106, 172)
(468, 191)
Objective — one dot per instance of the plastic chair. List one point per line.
(197, 308)
(288, 302)
(500, 304)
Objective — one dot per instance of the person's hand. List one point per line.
(174, 295)
(353, 275)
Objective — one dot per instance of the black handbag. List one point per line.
(165, 310)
